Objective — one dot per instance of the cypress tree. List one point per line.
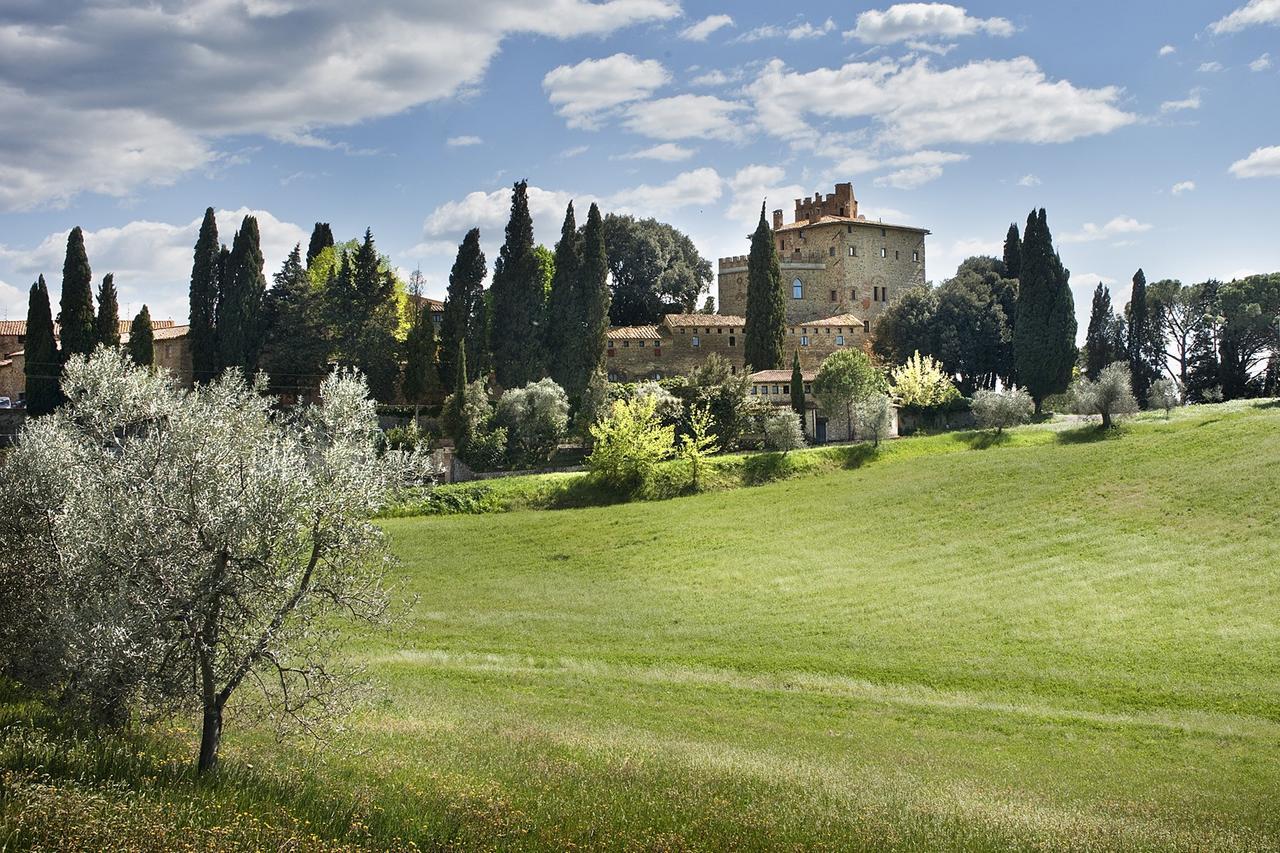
(206, 266)
(41, 364)
(1143, 343)
(420, 357)
(321, 239)
(463, 322)
(766, 304)
(594, 297)
(240, 332)
(518, 300)
(108, 322)
(566, 317)
(1012, 252)
(1099, 340)
(296, 347)
(797, 388)
(142, 339)
(78, 326)
(1044, 332)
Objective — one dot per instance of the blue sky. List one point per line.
(1149, 130)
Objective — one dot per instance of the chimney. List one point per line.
(777, 219)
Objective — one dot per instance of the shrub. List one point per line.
(922, 385)
(593, 406)
(536, 418)
(782, 430)
(487, 450)
(1110, 395)
(1001, 409)
(407, 438)
(874, 415)
(1164, 394)
(667, 406)
(629, 444)
(461, 422)
(726, 395)
(698, 444)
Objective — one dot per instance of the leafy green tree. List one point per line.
(783, 431)
(1110, 395)
(766, 324)
(797, 387)
(628, 445)
(42, 364)
(713, 384)
(1204, 370)
(708, 306)
(874, 415)
(1045, 328)
(296, 352)
(321, 239)
(907, 326)
(421, 376)
(1177, 316)
(845, 379)
(206, 268)
(566, 322)
(518, 300)
(971, 333)
(1104, 340)
(142, 346)
(654, 270)
(453, 415)
(921, 384)
(108, 319)
(593, 293)
(1164, 394)
(536, 418)
(243, 286)
(1013, 252)
(76, 320)
(697, 444)
(1002, 409)
(1144, 349)
(362, 307)
(1250, 307)
(463, 322)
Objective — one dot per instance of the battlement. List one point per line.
(735, 261)
(840, 203)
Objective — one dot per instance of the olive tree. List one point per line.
(188, 544)
(1110, 395)
(999, 410)
(536, 418)
(1164, 394)
(874, 414)
(782, 430)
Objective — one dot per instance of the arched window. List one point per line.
(797, 289)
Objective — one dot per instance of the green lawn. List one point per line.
(1062, 641)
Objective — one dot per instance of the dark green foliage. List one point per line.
(797, 388)
(242, 287)
(421, 376)
(1250, 310)
(321, 239)
(108, 319)
(972, 334)
(464, 311)
(515, 333)
(452, 416)
(566, 321)
(654, 270)
(766, 304)
(726, 396)
(1175, 311)
(907, 326)
(1012, 252)
(76, 321)
(363, 315)
(142, 347)
(1044, 331)
(206, 268)
(1104, 340)
(296, 350)
(593, 293)
(42, 363)
(1144, 348)
(1204, 372)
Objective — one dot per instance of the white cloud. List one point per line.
(1210, 67)
(1262, 163)
(687, 117)
(755, 184)
(1190, 102)
(1091, 280)
(582, 93)
(806, 30)
(1117, 227)
(463, 141)
(796, 31)
(668, 152)
(1262, 63)
(1253, 13)
(1183, 187)
(917, 169)
(105, 98)
(1029, 181)
(13, 303)
(575, 151)
(917, 105)
(945, 259)
(716, 77)
(704, 28)
(1168, 50)
(696, 188)
(908, 21)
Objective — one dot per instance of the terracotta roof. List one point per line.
(634, 333)
(781, 375)
(169, 333)
(838, 320)
(674, 320)
(10, 328)
(433, 304)
(845, 220)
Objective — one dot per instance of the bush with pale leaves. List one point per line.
(1000, 410)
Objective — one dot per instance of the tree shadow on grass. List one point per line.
(986, 440)
(855, 455)
(1088, 434)
(760, 468)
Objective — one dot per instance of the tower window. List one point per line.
(804, 340)
(696, 341)
(839, 340)
(797, 289)
(853, 251)
(833, 296)
(915, 256)
(884, 253)
(831, 251)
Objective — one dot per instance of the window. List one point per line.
(853, 251)
(775, 389)
(850, 227)
(833, 296)
(839, 340)
(626, 343)
(695, 341)
(884, 253)
(881, 232)
(755, 390)
(782, 245)
(641, 343)
(895, 255)
(733, 342)
(786, 389)
(866, 325)
(808, 388)
(804, 340)
(719, 330)
(797, 289)
(831, 250)
(915, 256)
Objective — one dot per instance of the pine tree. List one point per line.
(240, 327)
(797, 387)
(142, 347)
(42, 363)
(1099, 341)
(108, 321)
(296, 347)
(321, 239)
(76, 321)
(1012, 252)
(566, 320)
(463, 309)
(420, 374)
(766, 304)
(1045, 329)
(594, 297)
(518, 300)
(206, 267)
(1143, 342)
(1204, 382)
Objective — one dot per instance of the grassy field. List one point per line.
(1060, 641)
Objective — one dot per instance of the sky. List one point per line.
(1148, 130)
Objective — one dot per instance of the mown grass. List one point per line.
(1065, 641)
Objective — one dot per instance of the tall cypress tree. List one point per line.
(1099, 340)
(766, 304)
(321, 239)
(420, 376)
(78, 326)
(142, 347)
(566, 319)
(108, 321)
(594, 298)
(518, 300)
(296, 346)
(1012, 252)
(462, 324)
(1044, 333)
(240, 332)
(797, 388)
(41, 364)
(1144, 342)
(206, 266)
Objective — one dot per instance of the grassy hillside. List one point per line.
(1066, 641)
